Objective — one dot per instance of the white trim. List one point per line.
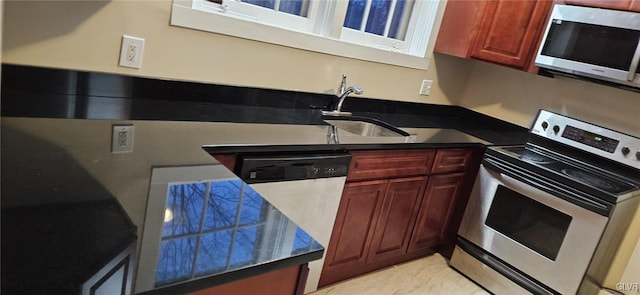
(259, 14)
(384, 43)
(416, 38)
(420, 39)
(183, 15)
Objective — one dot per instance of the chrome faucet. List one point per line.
(343, 85)
(343, 91)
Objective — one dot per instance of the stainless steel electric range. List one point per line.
(547, 217)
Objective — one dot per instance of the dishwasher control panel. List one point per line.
(274, 168)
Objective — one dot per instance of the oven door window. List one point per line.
(530, 223)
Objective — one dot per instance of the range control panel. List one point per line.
(588, 137)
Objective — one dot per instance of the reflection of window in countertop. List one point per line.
(207, 218)
(211, 226)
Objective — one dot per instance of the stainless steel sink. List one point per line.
(364, 126)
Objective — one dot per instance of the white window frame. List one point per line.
(322, 33)
(260, 15)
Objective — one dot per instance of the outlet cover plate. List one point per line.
(425, 88)
(122, 139)
(131, 52)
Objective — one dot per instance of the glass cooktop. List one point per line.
(573, 171)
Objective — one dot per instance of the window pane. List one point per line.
(213, 252)
(252, 207)
(400, 21)
(263, 3)
(243, 248)
(176, 260)
(183, 210)
(293, 7)
(378, 15)
(302, 242)
(355, 13)
(222, 207)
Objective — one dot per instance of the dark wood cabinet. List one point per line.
(380, 164)
(505, 32)
(631, 5)
(406, 213)
(228, 160)
(278, 282)
(397, 217)
(509, 30)
(452, 160)
(353, 229)
(436, 210)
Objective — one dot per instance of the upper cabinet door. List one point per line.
(509, 31)
(633, 5)
(459, 27)
(505, 32)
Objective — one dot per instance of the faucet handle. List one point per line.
(343, 85)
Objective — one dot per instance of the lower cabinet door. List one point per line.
(286, 281)
(351, 237)
(435, 210)
(397, 218)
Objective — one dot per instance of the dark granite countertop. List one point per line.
(59, 225)
(55, 248)
(48, 199)
(87, 95)
(218, 231)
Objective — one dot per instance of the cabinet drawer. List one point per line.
(451, 160)
(389, 164)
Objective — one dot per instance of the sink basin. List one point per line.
(364, 126)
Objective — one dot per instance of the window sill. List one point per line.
(187, 17)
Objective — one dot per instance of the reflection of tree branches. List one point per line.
(185, 201)
(222, 205)
(233, 215)
(176, 260)
(225, 203)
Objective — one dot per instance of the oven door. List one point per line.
(530, 230)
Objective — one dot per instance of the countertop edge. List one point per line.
(220, 279)
(268, 148)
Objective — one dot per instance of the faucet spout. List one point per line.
(343, 91)
(352, 89)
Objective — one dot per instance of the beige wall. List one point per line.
(86, 35)
(516, 96)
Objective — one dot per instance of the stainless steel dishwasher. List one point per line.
(305, 187)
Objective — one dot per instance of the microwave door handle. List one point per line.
(634, 63)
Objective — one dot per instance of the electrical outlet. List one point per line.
(425, 88)
(122, 139)
(131, 52)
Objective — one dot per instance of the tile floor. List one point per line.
(426, 276)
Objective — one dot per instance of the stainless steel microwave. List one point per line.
(597, 43)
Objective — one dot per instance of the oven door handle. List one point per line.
(633, 68)
(549, 186)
